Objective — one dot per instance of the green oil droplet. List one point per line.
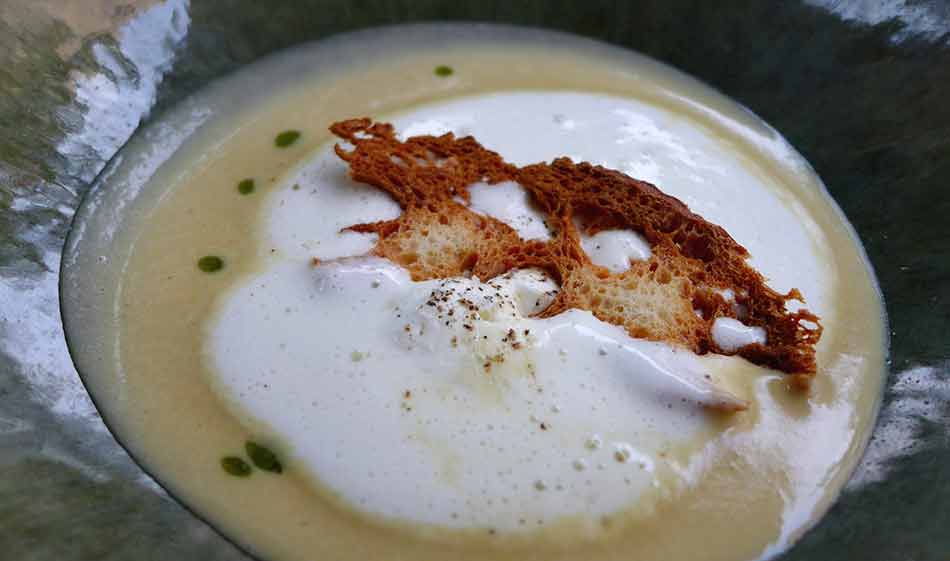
(443, 71)
(246, 186)
(263, 457)
(286, 138)
(235, 466)
(211, 263)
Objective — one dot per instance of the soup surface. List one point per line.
(384, 426)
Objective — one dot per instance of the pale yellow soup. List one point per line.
(786, 458)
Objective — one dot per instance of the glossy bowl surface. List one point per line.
(859, 88)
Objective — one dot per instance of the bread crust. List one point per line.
(674, 296)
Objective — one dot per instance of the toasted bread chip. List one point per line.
(674, 296)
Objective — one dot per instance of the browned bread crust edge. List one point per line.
(670, 297)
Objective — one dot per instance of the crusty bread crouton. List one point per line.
(674, 296)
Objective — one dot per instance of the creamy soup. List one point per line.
(312, 401)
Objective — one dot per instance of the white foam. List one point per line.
(309, 211)
(731, 334)
(510, 203)
(443, 403)
(615, 249)
(325, 356)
